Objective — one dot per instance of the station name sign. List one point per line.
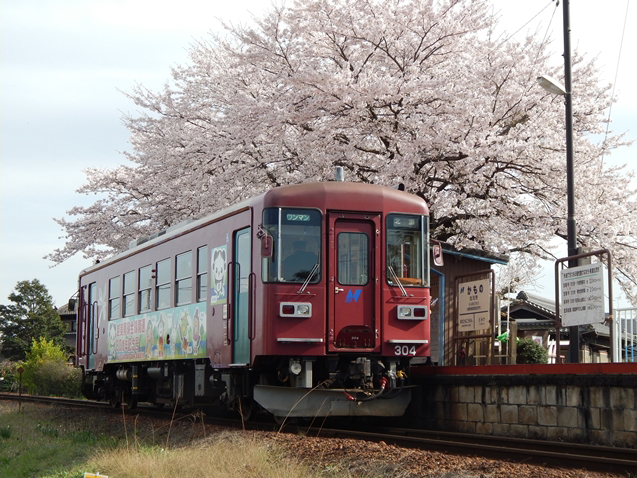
(474, 300)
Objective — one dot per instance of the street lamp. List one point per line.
(551, 85)
(554, 87)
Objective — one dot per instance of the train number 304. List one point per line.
(405, 350)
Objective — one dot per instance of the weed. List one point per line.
(48, 431)
(55, 443)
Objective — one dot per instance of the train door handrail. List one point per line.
(252, 280)
(230, 301)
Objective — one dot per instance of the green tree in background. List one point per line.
(31, 316)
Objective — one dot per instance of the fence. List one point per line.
(625, 327)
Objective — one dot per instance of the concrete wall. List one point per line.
(596, 409)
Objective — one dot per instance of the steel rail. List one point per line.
(53, 400)
(561, 454)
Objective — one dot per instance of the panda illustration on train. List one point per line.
(308, 300)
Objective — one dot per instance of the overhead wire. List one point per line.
(539, 49)
(516, 32)
(612, 97)
(546, 33)
(557, 2)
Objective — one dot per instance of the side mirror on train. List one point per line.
(266, 245)
(437, 254)
(71, 305)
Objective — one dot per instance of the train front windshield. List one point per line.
(296, 245)
(406, 246)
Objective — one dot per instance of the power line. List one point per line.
(612, 98)
(533, 18)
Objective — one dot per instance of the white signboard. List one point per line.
(474, 300)
(582, 295)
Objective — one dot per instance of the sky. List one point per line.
(65, 64)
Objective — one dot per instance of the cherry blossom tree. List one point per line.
(419, 92)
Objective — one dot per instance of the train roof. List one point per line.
(347, 196)
(169, 233)
(344, 194)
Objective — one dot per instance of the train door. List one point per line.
(240, 303)
(91, 325)
(354, 258)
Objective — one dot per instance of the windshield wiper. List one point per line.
(309, 278)
(395, 277)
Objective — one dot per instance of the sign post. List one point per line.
(474, 305)
(20, 370)
(581, 300)
(475, 314)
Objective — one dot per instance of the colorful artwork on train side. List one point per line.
(163, 335)
(219, 276)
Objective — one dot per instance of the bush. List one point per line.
(57, 379)
(10, 379)
(46, 371)
(529, 351)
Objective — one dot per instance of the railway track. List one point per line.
(53, 400)
(622, 461)
(560, 454)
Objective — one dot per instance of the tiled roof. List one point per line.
(544, 311)
(64, 310)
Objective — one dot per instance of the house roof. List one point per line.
(476, 254)
(530, 306)
(64, 311)
(532, 311)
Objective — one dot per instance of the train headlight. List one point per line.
(404, 312)
(302, 310)
(411, 312)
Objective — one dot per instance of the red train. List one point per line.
(309, 300)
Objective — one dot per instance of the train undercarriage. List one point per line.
(282, 386)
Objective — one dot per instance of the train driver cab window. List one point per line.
(296, 245)
(162, 290)
(183, 278)
(145, 285)
(114, 291)
(406, 240)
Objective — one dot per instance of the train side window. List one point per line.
(114, 292)
(145, 285)
(129, 293)
(183, 278)
(162, 290)
(202, 273)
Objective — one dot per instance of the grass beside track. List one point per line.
(38, 441)
(42, 441)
